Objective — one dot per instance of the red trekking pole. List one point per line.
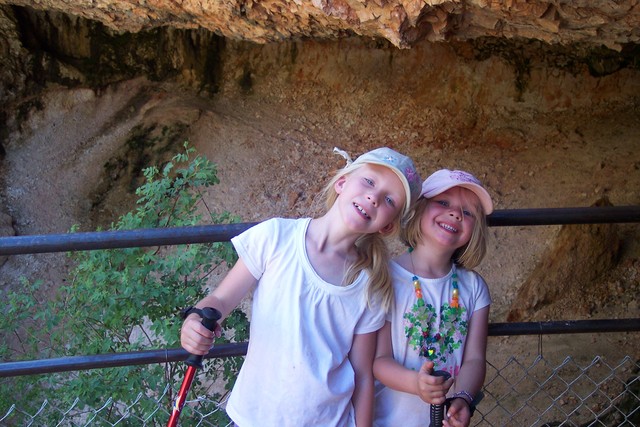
(210, 317)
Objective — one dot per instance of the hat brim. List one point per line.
(478, 190)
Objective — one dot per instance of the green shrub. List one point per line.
(121, 300)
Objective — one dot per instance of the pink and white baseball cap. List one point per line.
(444, 179)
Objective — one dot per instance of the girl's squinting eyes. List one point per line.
(445, 203)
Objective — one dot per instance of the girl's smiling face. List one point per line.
(371, 198)
(450, 217)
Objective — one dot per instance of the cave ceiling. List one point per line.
(403, 23)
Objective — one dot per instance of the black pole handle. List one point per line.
(210, 317)
(437, 411)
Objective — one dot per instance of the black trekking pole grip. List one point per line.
(437, 411)
(210, 317)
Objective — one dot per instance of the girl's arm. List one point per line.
(361, 358)
(392, 374)
(472, 373)
(197, 339)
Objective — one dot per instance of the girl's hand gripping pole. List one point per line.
(437, 411)
(210, 317)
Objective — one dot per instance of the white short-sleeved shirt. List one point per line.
(297, 371)
(446, 332)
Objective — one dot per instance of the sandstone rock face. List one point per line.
(569, 269)
(403, 23)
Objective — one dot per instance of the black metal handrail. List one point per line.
(17, 245)
(112, 360)
(79, 363)
(563, 216)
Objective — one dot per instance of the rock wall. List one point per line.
(403, 23)
(41, 48)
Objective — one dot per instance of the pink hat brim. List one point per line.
(441, 181)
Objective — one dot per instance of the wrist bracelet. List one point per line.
(463, 395)
(472, 407)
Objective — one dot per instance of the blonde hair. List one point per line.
(468, 256)
(372, 250)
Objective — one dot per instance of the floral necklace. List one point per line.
(433, 336)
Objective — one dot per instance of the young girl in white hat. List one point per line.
(320, 287)
(440, 317)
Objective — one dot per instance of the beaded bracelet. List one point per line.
(464, 395)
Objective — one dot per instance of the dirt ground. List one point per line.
(273, 146)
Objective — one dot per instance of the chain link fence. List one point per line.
(599, 393)
(518, 393)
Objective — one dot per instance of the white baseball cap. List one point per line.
(444, 179)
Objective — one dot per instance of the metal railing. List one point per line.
(516, 393)
(35, 244)
(80, 363)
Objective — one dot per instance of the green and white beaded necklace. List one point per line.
(422, 316)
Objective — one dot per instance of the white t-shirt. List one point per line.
(297, 371)
(446, 335)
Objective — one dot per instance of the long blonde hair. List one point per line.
(372, 250)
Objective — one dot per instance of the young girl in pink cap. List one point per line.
(319, 290)
(440, 317)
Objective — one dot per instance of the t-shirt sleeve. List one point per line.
(254, 245)
(372, 318)
(483, 297)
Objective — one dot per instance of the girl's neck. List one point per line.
(330, 252)
(327, 236)
(425, 262)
